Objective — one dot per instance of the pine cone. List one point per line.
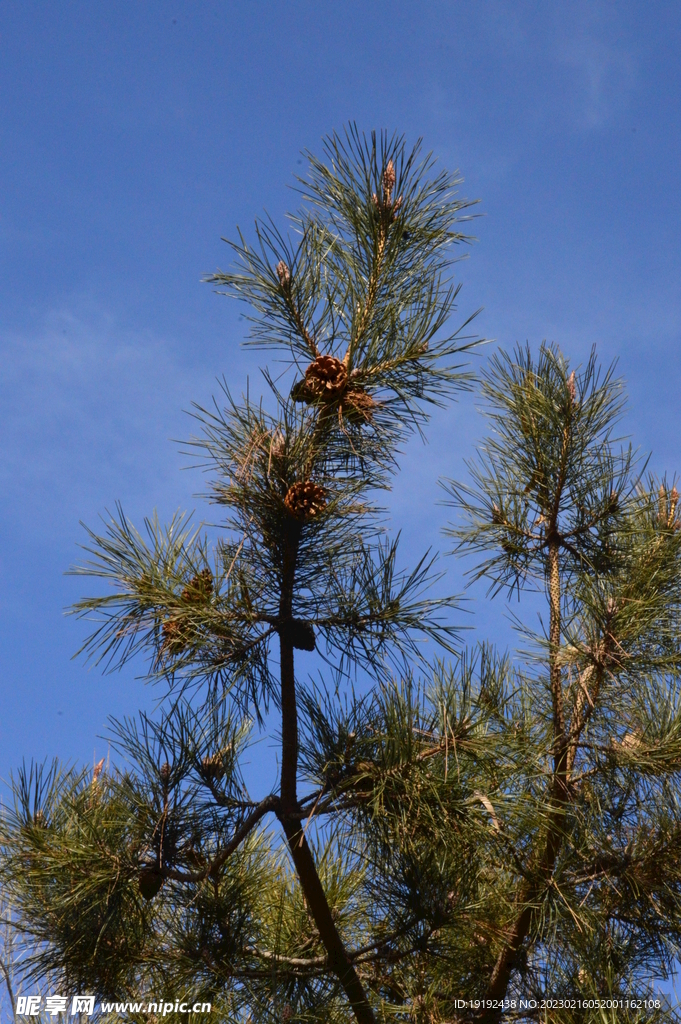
(327, 382)
(328, 373)
(325, 379)
(358, 406)
(165, 773)
(214, 765)
(199, 588)
(299, 634)
(173, 639)
(149, 880)
(305, 499)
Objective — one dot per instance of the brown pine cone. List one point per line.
(149, 880)
(173, 639)
(305, 499)
(199, 588)
(358, 406)
(325, 379)
(214, 765)
(326, 382)
(329, 371)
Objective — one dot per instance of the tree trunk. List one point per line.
(290, 813)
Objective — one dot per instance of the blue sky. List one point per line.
(135, 134)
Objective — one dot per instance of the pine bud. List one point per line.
(284, 275)
(97, 771)
(662, 505)
(389, 179)
(277, 445)
(214, 765)
(673, 502)
(631, 740)
(165, 773)
(572, 387)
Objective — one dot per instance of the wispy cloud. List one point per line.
(603, 79)
(88, 410)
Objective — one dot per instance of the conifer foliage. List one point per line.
(466, 831)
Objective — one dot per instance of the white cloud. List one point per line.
(88, 409)
(603, 79)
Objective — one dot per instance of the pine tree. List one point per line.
(469, 833)
(166, 868)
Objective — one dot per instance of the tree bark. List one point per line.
(289, 812)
